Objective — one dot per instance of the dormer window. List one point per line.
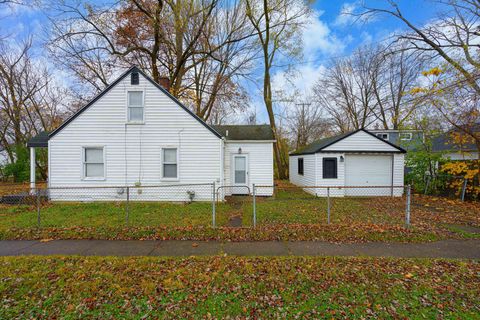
(135, 107)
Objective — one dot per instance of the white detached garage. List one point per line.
(357, 163)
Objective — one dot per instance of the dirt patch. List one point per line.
(235, 222)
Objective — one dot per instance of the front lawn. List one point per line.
(239, 287)
(291, 214)
(113, 214)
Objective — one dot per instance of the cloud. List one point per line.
(318, 38)
(319, 46)
(348, 15)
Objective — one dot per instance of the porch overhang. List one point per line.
(39, 141)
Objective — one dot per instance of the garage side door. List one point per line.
(368, 170)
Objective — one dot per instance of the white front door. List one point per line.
(240, 173)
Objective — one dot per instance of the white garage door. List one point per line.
(368, 170)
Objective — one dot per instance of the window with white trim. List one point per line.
(135, 106)
(169, 163)
(406, 136)
(383, 136)
(93, 163)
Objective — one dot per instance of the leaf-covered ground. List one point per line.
(291, 214)
(238, 287)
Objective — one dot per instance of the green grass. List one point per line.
(253, 287)
(110, 214)
(293, 205)
(278, 218)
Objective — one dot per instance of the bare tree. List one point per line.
(277, 26)
(453, 35)
(346, 90)
(199, 45)
(29, 100)
(396, 74)
(306, 124)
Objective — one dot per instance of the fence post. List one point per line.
(213, 205)
(38, 206)
(407, 209)
(464, 188)
(254, 206)
(427, 184)
(127, 209)
(328, 205)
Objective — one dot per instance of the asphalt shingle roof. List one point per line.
(319, 144)
(245, 132)
(39, 141)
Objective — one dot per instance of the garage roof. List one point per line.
(319, 145)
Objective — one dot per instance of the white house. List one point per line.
(135, 133)
(355, 159)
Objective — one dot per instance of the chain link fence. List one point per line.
(149, 205)
(209, 205)
(451, 186)
(332, 204)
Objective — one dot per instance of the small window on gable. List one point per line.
(135, 106)
(406, 136)
(329, 168)
(93, 163)
(134, 78)
(300, 166)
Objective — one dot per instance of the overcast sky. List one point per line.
(330, 34)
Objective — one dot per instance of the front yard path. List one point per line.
(455, 249)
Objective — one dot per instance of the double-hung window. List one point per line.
(406, 136)
(169, 163)
(93, 163)
(135, 106)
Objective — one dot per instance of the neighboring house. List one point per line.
(454, 151)
(134, 133)
(407, 139)
(358, 158)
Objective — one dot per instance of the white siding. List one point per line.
(398, 173)
(313, 175)
(360, 141)
(260, 165)
(309, 171)
(133, 151)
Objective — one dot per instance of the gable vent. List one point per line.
(134, 78)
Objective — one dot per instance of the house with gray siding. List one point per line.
(409, 140)
(134, 133)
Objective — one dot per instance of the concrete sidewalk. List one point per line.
(459, 249)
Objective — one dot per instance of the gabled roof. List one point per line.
(126, 73)
(319, 145)
(245, 132)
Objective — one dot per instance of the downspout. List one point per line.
(222, 166)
